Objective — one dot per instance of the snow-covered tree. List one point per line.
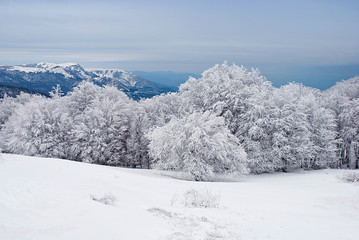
(224, 89)
(100, 131)
(8, 105)
(304, 131)
(199, 144)
(161, 109)
(343, 100)
(240, 97)
(137, 142)
(39, 127)
(350, 132)
(280, 129)
(202, 129)
(79, 99)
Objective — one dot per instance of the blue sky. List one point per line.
(279, 37)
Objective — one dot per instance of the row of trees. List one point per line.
(229, 120)
(91, 124)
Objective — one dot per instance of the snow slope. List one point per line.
(43, 198)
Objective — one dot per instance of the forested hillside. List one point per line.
(230, 120)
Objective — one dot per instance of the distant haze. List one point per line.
(321, 77)
(314, 42)
(167, 77)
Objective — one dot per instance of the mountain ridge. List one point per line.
(14, 91)
(42, 77)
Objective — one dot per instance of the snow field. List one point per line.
(42, 198)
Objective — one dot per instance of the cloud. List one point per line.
(179, 32)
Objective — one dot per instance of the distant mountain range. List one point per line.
(14, 91)
(42, 77)
(167, 77)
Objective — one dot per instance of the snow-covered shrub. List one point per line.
(202, 198)
(107, 199)
(199, 144)
(350, 176)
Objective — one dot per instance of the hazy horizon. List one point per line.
(320, 77)
(287, 40)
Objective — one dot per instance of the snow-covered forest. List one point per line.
(230, 120)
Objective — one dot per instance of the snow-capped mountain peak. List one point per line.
(65, 69)
(56, 65)
(42, 77)
(127, 78)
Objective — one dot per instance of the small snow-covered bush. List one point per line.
(350, 176)
(107, 199)
(200, 199)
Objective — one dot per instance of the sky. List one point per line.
(286, 40)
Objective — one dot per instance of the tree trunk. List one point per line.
(352, 155)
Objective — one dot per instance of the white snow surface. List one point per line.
(43, 198)
(70, 70)
(47, 67)
(128, 78)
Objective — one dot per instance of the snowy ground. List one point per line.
(50, 199)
